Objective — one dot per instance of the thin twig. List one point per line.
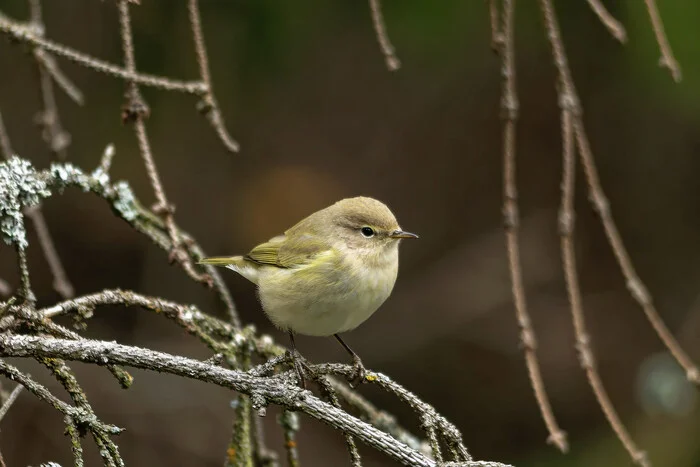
(5, 289)
(566, 231)
(10, 400)
(61, 283)
(290, 425)
(614, 26)
(28, 35)
(25, 289)
(636, 287)
(36, 21)
(667, 59)
(599, 201)
(135, 111)
(48, 119)
(208, 106)
(509, 115)
(392, 61)
(59, 77)
(5, 145)
(239, 452)
(379, 418)
(446, 430)
(496, 34)
(264, 457)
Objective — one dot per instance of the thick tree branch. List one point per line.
(269, 390)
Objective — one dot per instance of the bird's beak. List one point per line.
(402, 234)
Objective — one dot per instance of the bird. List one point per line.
(327, 274)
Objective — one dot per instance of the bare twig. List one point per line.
(25, 288)
(614, 27)
(239, 451)
(599, 201)
(667, 59)
(264, 457)
(428, 415)
(5, 145)
(28, 35)
(5, 289)
(496, 34)
(379, 418)
(36, 21)
(48, 119)
(135, 111)
(59, 77)
(509, 115)
(61, 283)
(7, 403)
(208, 105)
(290, 425)
(392, 61)
(269, 389)
(566, 231)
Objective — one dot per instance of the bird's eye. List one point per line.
(367, 232)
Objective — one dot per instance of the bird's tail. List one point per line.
(222, 260)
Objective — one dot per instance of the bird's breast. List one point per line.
(329, 298)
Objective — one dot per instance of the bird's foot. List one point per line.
(358, 372)
(301, 367)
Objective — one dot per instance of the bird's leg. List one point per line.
(297, 361)
(359, 372)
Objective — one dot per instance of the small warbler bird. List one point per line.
(327, 274)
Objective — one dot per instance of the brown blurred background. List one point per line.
(304, 89)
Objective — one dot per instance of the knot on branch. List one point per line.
(135, 107)
(206, 104)
(638, 291)
(82, 314)
(566, 222)
(568, 101)
(584, 352)
(510, 214)
(528, 341)
(509, 103)
(600, 203)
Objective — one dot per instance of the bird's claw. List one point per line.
(358, 373)
(300, 366)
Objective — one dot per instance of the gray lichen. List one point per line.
(20, 187)
(120, 194)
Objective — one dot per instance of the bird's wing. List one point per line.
(289, 252)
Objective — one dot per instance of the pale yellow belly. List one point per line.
(335, 302)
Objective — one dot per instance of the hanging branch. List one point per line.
(392, 61)
(614, 27)
(208, 105)
(599, 201)
(667, 59)
(566, 231)
(509, 115)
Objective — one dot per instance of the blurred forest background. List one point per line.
(304, 89)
